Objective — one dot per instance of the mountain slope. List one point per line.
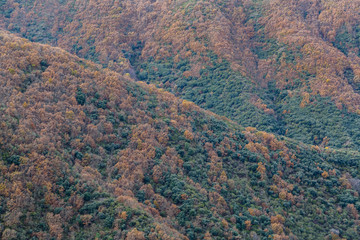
(59, 136)
(88, 153)
(292, 72)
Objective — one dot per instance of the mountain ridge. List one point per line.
(274, 65)
(103, 150)
(94, 154)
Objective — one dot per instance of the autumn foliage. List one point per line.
(87, 152)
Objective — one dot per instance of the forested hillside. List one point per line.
(89, 153)
(96, 141)
(288, 67)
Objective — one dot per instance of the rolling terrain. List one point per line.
(89, 153)
(179, 119)
(287, 67)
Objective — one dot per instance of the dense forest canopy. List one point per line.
(97, 143)
(266, 64)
